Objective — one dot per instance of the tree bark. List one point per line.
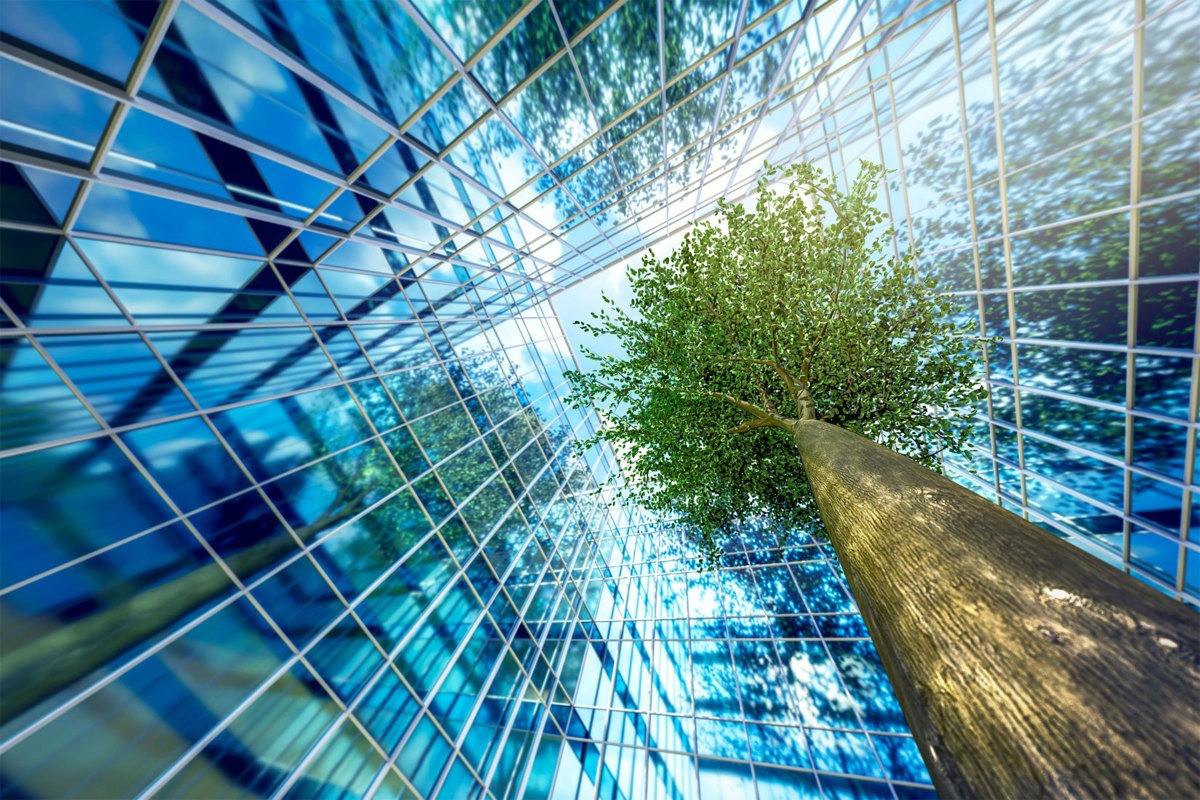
(1025, 667)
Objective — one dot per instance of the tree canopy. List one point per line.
(795, 310)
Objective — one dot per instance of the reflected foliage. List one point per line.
(155, 584)
(1067, 148)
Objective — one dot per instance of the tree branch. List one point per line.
(750, 425)
(749, 408)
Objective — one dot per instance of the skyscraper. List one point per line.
(290, 501)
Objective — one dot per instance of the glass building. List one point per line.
(290, 503)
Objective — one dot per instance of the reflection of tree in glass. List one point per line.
(1067, 149)
(619, 63)
(144, 606)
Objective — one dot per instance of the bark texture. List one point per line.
(1025, 667)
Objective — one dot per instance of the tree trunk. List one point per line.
(1025, 667)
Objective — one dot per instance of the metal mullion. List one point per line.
(301, 658)
(527, 771)
(1005, 233)
(307, 549)
(662, 98)
(141, 67)
(12, 587)
(1111, 348)
(890, 31)
(33, 227)
(390, 656)
(372, 791)
(1131, 321)
(895, 132)
(650, 169)
(1093, 403)
(1044, 518)
(962, 113)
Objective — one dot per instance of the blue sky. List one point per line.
(579, 301)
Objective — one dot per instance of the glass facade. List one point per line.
(290, 506)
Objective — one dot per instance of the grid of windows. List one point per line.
(290, 502)
(1045, 159)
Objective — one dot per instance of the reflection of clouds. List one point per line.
(109, 210)
(244, 66)
(166, 454)
(125, 262)
(817, 680)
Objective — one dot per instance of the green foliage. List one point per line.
(794, 310)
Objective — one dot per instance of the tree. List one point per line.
(788, 313)
(760, 358)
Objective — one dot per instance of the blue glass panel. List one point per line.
(246, 533)
(217, 663)
(69, 501)
(151, 147)
(38, 406)
(280, 435)
(119, 375)
(423, 755)
(45, 283)
(782, 784)
(299, 600)
(225, 366)
(68, 34)
(722, 779)
(50, 115)
(160, 286)
(1166, 314)
(901, 758)
(117, 212)
(324, 495)
(396, 604)
(259, 749)
(345, 767)
(346, 659)
(387, 710)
